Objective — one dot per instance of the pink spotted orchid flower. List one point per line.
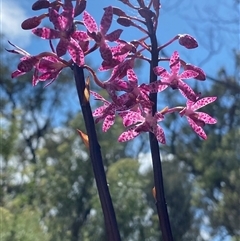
(139, 122)
(100, 35)
(106, 112)
(198, 119)
(174, 79)
(46, 66)
(63, 30)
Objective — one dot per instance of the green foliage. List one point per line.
(21, 225)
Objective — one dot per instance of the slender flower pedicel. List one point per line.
(130, 96)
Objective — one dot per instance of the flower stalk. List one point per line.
(161, 204)
(96, 159)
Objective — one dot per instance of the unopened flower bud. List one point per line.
(146, 13)
(126, 22)
(119, 12)
(80, 7)
(31, 23)
(187, 41)
(201, 74)
(40, 4)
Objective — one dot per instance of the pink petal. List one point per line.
(27, 64)
(201, 75)
(128, 135)
(187, 91)
(202, 102)
(68, 14)
(120, 70)
(174, 63)
(114, 36)
(159, 133)
(48, 63)
(122, 85)
(198, 129)
(76, 52)
(80, 36)
(58, 21)
(188, 74)
(123, 99)
(106, 20)
(99, 111)
(108, 65)
(155, 87)
(49, 76)
(17, 73)
(89, 22)
(132, 77)
(96, 95)
(46, 33)
(159, 71)
(206, 118)
(105, 52)
(62, 47)
(108, 122)
(130, 118)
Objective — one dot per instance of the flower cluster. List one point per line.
(128, 99)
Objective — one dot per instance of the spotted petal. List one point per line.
(105, 52)
(62, 46)
(155, 87)
(174, 62)
(58, 21)
(99, 111)
(132, 77)
(160, 71)
(98, 96)
(76, 52)
(202, 102)
(128, 135)
(46, 33)
(108, 122)
(80, 36)
(114, 36)
(159, 133)
(27, 63)
(198, 129)
(188, 74)
(131, 117)
(106, 20)
(89, 22)
(206, 118)
(187, 91)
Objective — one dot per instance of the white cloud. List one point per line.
(12, 15)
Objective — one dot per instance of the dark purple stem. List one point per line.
(96, 158)
(155, 152)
